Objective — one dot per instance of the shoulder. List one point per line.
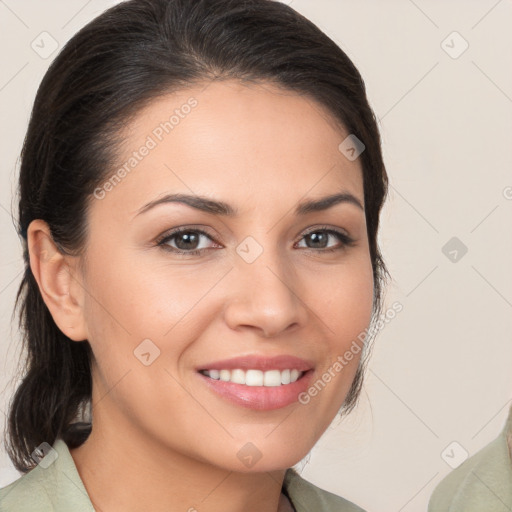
(306, 496)
(27, 493)
(482, 482)
(53, 485)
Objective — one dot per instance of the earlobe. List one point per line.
(57, 280)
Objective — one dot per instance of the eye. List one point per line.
(186, 240)
(319, 238)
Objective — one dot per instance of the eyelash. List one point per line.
(345, 240)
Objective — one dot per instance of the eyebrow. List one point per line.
(221, 208)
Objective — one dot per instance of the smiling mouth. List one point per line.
(268, 378)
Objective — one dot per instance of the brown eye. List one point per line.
(184, 241)
(187, 240)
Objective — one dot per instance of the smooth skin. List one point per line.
(161, 439)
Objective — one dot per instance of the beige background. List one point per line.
(442, 369)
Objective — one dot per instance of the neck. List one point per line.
(131, 473)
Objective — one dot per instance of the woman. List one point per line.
(240, 130)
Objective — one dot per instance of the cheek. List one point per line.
(345, 301)
(131, 301)
(140, 298)
(345, 297)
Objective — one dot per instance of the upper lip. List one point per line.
(255, 362)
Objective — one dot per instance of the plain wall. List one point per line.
(441, 370)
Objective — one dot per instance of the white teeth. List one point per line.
(238, 376)
(270, 378)
(254, 378)
(215, 374)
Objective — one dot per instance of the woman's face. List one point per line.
(269, 279)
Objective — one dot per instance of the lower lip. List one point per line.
(262, 398)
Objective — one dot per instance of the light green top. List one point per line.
(58, 488)
(483, 483)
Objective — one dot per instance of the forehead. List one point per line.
(250, 143)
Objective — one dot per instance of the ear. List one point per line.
(58, 280)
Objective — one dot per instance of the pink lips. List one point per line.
(259, 397)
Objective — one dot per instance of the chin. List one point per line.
(251, 460)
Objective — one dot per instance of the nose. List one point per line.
(266, 296)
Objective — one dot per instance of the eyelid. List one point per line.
(325, 227)
(181, 229)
